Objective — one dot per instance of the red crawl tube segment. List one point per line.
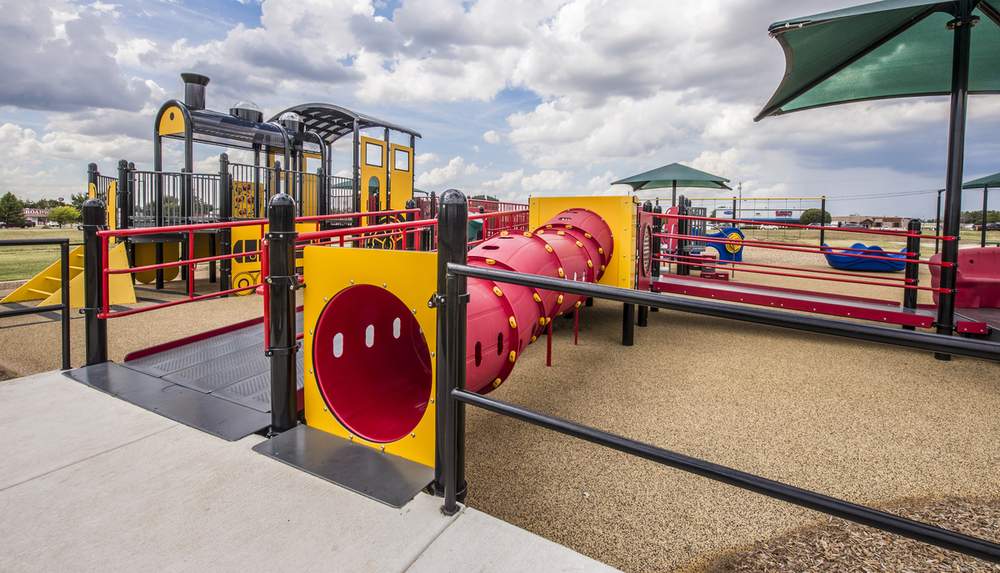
(503, 319)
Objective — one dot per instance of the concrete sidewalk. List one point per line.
(89, 483)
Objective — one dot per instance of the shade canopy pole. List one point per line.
(962, 27)
(982, 230)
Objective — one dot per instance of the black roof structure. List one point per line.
(332, 122)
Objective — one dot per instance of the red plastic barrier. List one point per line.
(978, 282)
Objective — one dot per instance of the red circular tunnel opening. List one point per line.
(372, 363)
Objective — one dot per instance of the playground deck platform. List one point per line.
(217, 381)
(97, 484)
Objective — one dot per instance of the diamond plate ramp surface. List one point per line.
(221, 418)
(218, 372)
(255, 392)
(188, 355)
(220, 384)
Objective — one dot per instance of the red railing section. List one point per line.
(494, 223)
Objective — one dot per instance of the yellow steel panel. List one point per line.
(373, 158)
(412, 278)
(111, 211)
(145, 254)
(401, 180)
(246, 269)
(618, 211)
(172, 121)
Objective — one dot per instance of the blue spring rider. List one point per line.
(843, 261)
(727, 251)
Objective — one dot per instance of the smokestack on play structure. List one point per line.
(194, 90)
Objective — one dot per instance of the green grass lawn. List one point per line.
(17, 262)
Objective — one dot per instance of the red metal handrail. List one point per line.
(798, 248)
(888, 232)
(819, 278)
(721, 262)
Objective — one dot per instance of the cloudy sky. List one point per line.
(512, 98)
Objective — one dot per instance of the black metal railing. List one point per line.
(452, 396)
(340, 193)
(63, 306)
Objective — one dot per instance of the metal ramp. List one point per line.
(217, 382)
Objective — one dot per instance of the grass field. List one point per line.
(18, 263)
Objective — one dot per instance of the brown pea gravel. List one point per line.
(866, 423)
(838, 546)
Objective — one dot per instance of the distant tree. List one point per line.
(11, 210)
(811, 216)
(976, 217)
(43, 203)
(64, 215)
(77, 199)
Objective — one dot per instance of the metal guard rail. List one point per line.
(454, 449)
(63, 306)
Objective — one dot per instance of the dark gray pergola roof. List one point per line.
(332, 122)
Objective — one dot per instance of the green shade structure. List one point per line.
(673, 176)
(988, 182)
(890, 49)
(895, 48)
(984, 183)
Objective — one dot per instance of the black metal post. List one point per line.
(937, 224)
(411, 239)
(643, 318)
(121, 190)
(450, 359)
(962, 26)
(982, 231)
(187, 195)
(822, 220)
(673, 193)
(683, 228)
(912, 268)
(628, 324)
(281, 285)
(656, 245)
(322, 195)
(225, 215)
(64, 300)
(94, 219)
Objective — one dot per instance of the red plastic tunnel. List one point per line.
(372, 365)
(503, 319)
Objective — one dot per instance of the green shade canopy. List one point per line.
(989, 182)
(673, 175)
(893, 48)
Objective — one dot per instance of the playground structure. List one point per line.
(397, 341)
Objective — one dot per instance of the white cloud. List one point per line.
(491, 137)
(456, 173)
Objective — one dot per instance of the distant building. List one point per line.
(36, 216)
(871, 222)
